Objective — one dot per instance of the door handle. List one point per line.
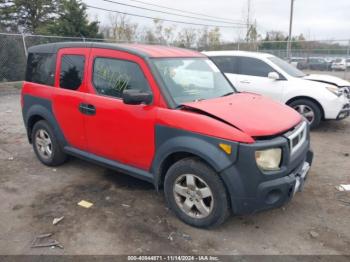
(245, 82)
(87, 109)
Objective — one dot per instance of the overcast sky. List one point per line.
(316, 19)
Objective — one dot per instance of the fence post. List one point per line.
(347, 57)
(24, 44)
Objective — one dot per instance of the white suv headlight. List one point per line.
(335, 90)
(269, 159)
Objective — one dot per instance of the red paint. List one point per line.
(65, 103)
(253, 114)
(163, 51)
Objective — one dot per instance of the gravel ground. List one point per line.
(129, 217)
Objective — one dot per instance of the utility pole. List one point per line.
(248, 19)
(289, 44)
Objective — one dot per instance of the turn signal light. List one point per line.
(226, 148)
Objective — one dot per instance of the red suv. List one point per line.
(168, 116)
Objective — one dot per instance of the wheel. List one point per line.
(309, 109)
(196, 194)
(46, 146)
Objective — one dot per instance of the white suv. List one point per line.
(269, 75)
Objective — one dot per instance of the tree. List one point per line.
(163, 34)
(186, 38)
(121, 29)
(27, 15)
(214, 38)
(203, 39)
(148, 36)
(73, 21)
(252, 34)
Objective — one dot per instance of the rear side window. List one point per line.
(41, 68)
(72, 71)
(254, 67)
(226, 64)
(112, 76)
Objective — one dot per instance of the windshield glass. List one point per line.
(288, 68)
(192, 79)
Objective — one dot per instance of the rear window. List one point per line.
(72, 71)
(41, 68)
(227, 64)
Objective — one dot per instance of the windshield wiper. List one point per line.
(227, 94)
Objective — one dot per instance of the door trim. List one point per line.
(132, 171)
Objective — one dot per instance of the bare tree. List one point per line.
(214, 37)
(121, 29)
(163, 34)
(186, 38)
(203, 39)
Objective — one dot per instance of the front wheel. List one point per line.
(309, 109)
(196, 194)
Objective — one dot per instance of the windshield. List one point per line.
(288, 68)
(192, 79)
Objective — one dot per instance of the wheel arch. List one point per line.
(33, 119)
(39, 112)
(171, 159)
(307, 98)
(173, 145)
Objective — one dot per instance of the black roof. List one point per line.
(53, 48)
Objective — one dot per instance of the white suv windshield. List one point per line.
(192, 79)
(288, 68)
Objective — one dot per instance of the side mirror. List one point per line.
(273, 76)
(136, 97)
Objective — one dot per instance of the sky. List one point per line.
(315, 19)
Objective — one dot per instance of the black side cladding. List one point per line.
(171, 140)
(34, 107)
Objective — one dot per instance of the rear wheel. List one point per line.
(196, 194)
(46, 146)
(309, 109)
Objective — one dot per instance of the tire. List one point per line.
(217, 205)
(307, 104)
(46, 145)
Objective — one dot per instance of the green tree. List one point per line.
(27, 15)
(73, 21)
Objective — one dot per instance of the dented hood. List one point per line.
(327, 79)
(253, 114)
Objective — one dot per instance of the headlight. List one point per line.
(335, 90)
(269, 159)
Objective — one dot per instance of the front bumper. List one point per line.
(334, 107)
(344, 113)
(252, 190)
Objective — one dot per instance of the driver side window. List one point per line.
(112, 76)
(253, 67)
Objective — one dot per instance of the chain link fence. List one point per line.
(330, 57)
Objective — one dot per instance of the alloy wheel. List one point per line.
(43, 143)
(306, 111)
(193, 196)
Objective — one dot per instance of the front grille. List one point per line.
(297, 137)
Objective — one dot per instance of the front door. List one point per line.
(117, 131)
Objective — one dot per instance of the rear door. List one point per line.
(117, 131)
(229, 66)
(253, 77)
(70, 82)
